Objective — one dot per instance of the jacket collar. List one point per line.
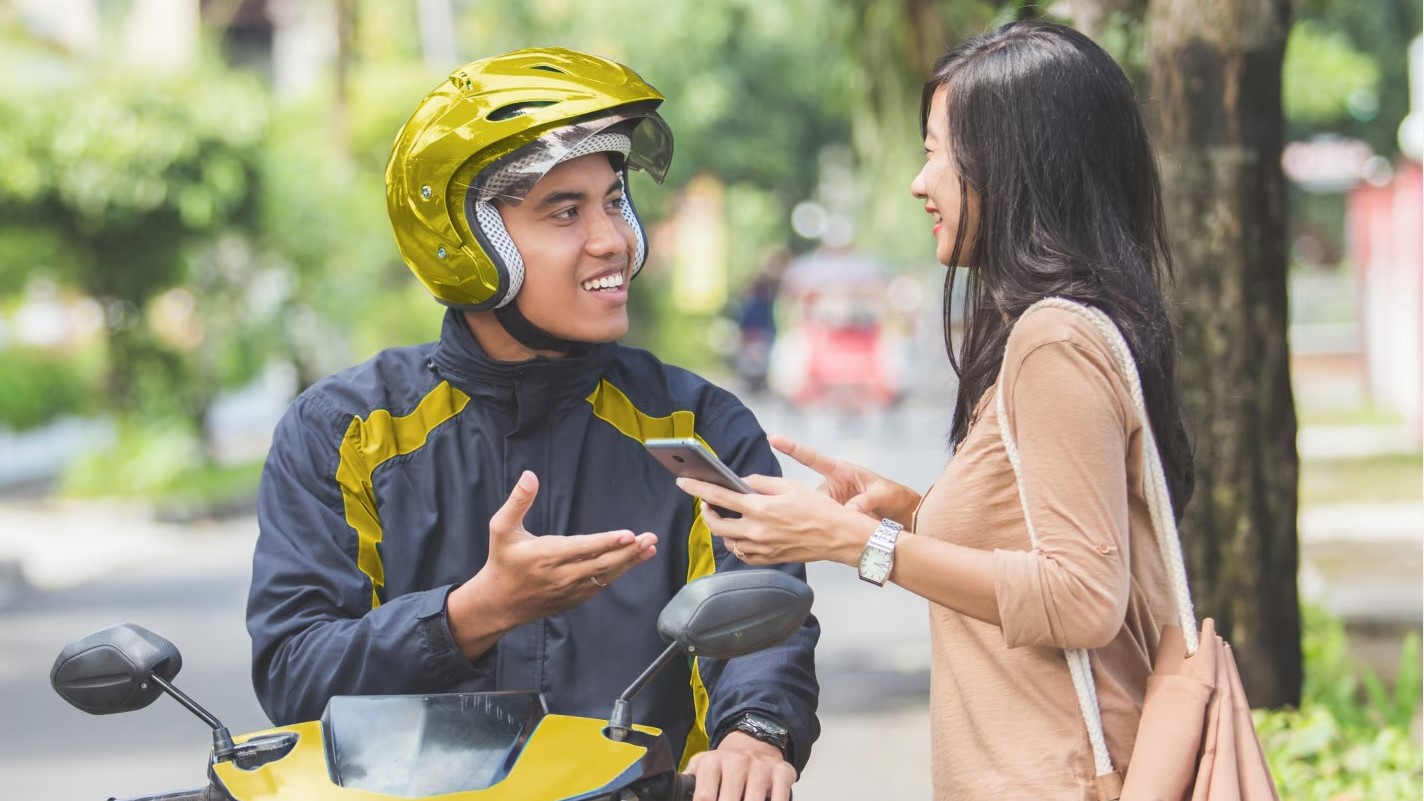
(459, 359)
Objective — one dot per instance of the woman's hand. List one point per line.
(852, 485)
(783, 522)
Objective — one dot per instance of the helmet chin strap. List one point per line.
(532, 336)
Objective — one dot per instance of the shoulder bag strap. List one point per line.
(1159, 502)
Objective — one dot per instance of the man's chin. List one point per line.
(593, 335)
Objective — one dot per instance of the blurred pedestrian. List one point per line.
(756, 323)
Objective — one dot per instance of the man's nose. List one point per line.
(608, 235)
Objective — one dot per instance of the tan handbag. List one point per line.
(1195, 739)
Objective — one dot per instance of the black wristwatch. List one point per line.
(764, 728)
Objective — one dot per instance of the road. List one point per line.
(190, 585)
(192, 595)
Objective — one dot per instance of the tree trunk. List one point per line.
(1215, 78)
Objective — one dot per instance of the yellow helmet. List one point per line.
(490, 132)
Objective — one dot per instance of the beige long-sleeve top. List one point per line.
(1005, 722)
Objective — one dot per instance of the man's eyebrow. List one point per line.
(562, 196)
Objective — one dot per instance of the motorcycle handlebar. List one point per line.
(208, 793)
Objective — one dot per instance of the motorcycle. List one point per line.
(488, 746)
(838, 347)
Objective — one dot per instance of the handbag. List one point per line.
(1195, 739)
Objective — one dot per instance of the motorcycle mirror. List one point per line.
(731, 614)
(123, 668)
(721, 616)
(110, 670)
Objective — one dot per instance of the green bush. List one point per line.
(144, 460)
(161, 462)
(37, 387)
(1350, 740)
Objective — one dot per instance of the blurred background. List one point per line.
(193, 230)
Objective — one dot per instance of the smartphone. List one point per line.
(688, 458)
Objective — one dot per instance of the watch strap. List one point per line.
(887, 533)
(762, 727)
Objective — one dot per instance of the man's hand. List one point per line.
(852, 485)
(528, 577)
(742, 768)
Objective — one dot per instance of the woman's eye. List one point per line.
(616, 203)
(566, 214)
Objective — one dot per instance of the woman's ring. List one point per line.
(595, 580)
(738, 552)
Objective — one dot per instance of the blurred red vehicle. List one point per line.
(835, 348)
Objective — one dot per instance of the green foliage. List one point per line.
(1125, 38)
(402, 313)
(375, 114)
(755, 90)
(28, 252)
(113, 181)
(1333, 678)
(1350, 740)
(1314, 759)
(144, 460)
(1379, 30)
(209, 491)
(1344, 69)
(323, 227)
(37, 387)
(161, 462)
(892, 46)
(125, 172)
(1326, 78)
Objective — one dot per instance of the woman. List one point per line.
(1041, 182)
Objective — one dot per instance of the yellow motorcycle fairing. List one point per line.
(566, 757)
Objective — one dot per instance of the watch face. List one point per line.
(765, 729)
(875, 564)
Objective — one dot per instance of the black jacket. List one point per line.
(375, 503)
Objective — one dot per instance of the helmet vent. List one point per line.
(548, 68)
(515, 109)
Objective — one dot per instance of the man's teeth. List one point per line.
(606, 282)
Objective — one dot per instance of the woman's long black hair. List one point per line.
(1044, 128)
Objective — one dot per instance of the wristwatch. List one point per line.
(878, 558)
(765, 729)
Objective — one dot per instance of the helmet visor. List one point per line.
(511, 178)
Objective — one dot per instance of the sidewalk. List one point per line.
(49, 545)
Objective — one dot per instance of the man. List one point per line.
(461, 516)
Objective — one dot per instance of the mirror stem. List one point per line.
(223, 748)
(620, 723)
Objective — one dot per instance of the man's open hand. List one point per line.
(528, 577)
